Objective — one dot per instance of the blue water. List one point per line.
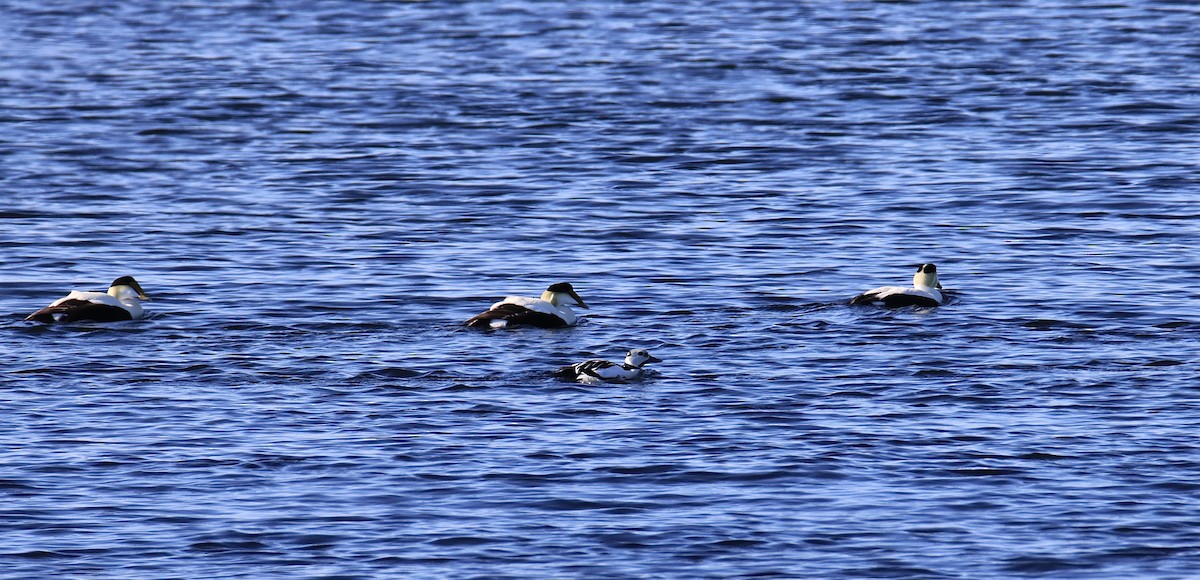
(317, 194)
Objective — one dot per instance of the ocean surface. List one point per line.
(317, 193)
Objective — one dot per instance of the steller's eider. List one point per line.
(599, 371)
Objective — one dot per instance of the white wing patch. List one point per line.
(538, 305)
(93, 297)
(535, 304)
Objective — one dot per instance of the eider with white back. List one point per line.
(925, 291)
(551, 310)
(119, 303)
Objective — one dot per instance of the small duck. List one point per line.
(552, 310)
(119, 303)
(925, 291)
(594, 372)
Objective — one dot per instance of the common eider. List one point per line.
(119, 303)
(599, 371)
(552, 310)
(924, 292)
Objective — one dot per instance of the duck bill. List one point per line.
(578, 300)
(653, 359)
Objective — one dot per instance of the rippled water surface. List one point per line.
(317, 194)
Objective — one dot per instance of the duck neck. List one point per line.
(123, 293)
(556, 299)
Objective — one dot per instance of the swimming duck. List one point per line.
(598, 371)
(924, 291)
(119, 303)
(552, 310)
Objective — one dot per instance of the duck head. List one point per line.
(639, 357)
(926, 276)
(126, 286)
(562, 293)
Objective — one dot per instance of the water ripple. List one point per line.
(317, 194)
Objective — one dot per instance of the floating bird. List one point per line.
(599, 371)
(552, 310)
(119, 303)
(925, 291)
